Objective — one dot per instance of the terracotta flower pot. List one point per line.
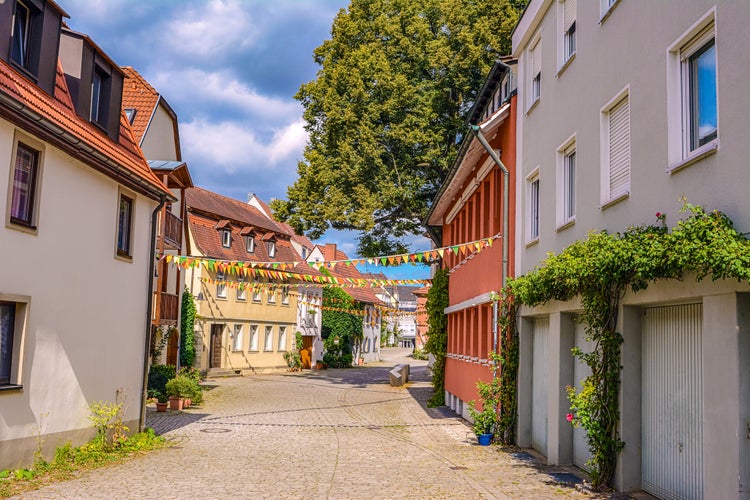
(161, 407)
(175, 403)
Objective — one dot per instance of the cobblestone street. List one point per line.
(320, 434)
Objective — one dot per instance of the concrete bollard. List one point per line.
(399, 375)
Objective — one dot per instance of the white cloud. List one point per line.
(210, 29)
(195, 88)
(234, 147)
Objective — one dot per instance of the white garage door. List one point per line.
(539, 387)
(672, 402)
(581, 370)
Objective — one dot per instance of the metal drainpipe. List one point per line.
(149, 310)
(476, 129)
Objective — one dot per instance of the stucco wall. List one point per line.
(159, 140)
(86, 327)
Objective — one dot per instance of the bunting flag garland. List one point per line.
(424, 256)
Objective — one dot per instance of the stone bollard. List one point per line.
(399, 375)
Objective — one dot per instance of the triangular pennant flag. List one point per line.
(383, 260)
(478, 246)
(455, 249)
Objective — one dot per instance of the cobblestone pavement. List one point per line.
(320, 434)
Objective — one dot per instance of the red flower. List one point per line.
(569, 417)
(658, 214)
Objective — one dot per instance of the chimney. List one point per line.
(329, 251)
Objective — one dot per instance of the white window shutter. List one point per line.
(569, 13)
(619, 148)
(536, 59)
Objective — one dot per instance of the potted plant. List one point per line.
(484, 422)
(178, 389)
(162, 400)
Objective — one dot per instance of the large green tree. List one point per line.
(386, 112)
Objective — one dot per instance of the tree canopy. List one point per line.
(386, 112)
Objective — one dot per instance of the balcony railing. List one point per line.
(169, 306)
(173, 230)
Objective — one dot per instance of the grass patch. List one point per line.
(69, 462)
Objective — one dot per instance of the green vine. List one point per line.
(437, 333)
(340, 330)
(600, 269)
(507, 359)
(187, 329)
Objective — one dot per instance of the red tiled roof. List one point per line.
(208, 239)
(58, 110)
(138, 94)
(222, 207)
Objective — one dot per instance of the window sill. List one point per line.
(11, 388)
(241, 300)
(609, 12)
(24, 228)
(533, 105)
(566, 225)
(123, 257)
(254, 350)
(533, 242)
(695, 156)
(221, 298)
(613, 201)
(565, 65)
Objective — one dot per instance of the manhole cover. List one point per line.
(216, 431)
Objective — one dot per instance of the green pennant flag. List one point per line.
(383, 260)
(455, 250)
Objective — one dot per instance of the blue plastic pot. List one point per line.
(484, 439)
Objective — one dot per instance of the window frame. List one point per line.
(285, 295)
(241, 289)
(566, 184)
(271, 247)
(249, 244)
(33, 26)
(32, 186)
(271, 299)
(566, 34)
(607, 197)
(237, 337)
(268, 334)
(282, 342)
(226, 238)
(681, 153)
(124, 250)
(533, 216)
(252, 345)
(257, 294)
(221, 288)
(535, 78)
(14, 359)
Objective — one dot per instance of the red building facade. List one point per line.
(469, 207)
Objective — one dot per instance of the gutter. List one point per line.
(149, 311)
(477, 130)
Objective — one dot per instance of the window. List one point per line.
(605, 8)
(282, 338)
(615, 152)
(130, 114)
(532, 222)
(26, 33)
(268, 342)
(125, 226)
(272, 249)
(256, 292)
(272, 295)
(285, 295)
(566, 183)
(304, 253)
(535, 76)
(241, 290)
(692, 94)
(250, 244)
(7, 331)
(226, 238)
(24, 185)
(237, 338)
(567, 30)
(253, 338)
(221, 286)
(100, 97)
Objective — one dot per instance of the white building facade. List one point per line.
(626, 107)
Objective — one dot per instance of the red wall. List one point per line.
(470, 330)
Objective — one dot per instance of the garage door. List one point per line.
(581, 370)
(672, 402)
(539, 387)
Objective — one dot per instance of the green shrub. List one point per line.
(158, 376)
(181, 387)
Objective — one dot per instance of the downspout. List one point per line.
(149, 309)
(476, 129)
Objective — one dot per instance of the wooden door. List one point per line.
(306, 352)
(172, 348)
(214, 360)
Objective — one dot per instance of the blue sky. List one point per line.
(230, 69)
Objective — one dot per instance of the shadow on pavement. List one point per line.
(163, 422)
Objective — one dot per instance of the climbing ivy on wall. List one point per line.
(437, 333)
(599, 270)
(187, 329)
(340, 330)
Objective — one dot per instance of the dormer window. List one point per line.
(272, 249)
(130, 114)
(250, 244)
(226, 238)
(304, 252)
(100, 85)
(24, 47)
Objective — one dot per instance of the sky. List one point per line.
(230, 70)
